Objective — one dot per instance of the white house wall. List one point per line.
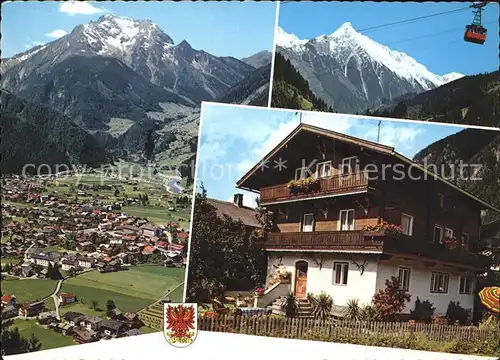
(361, 287)
(420, 283)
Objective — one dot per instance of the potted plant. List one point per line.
(382, 228)
(258, 233)
(285, 277)
(259, 291)
(294, 186)
(452, 242)
(303, 185)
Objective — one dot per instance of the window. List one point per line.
(439, 282)
(324, 169)
(465, 240)
(404, 278)
(438, 234)
(308, 223)
(340, 270)
(349, 165)
(301, 173)
(346, 220)
(465, 285)
(448, 233)
(407, 224)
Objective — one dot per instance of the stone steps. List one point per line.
(304, 308)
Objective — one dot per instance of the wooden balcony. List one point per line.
(363, 241)
(337, 184)
(322, 240)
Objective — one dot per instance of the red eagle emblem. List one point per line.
(180, 320)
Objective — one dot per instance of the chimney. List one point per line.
(238, 200)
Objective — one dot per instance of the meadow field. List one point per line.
(28, 290)
(131, 290)
(48, 338)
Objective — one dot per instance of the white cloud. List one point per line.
(79, 8)
(33, 44)
(334, 122)
(211, 151)
(245, 165)
(397, 136)
(56, 34)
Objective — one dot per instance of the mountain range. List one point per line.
(124, 82)
(474, 147)
(471, 100)
(353, 73)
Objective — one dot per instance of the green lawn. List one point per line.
(11, 260)
(85, 309)
(28, 290)
(155, 214)
(48, 338)
(177, 296)
(19, 219)
(147, 330)
(131, 290)
(18, 204)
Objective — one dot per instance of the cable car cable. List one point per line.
(415, 19)
(432, 34)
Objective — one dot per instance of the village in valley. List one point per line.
(91, 256)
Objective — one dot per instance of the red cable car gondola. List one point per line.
(475, 32)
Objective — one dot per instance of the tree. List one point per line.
(110, 305)
(56, 275)
(94, 304)
(13, 343)
(391, 300)
(69, 242)
(50, 271)
(34, 344)
(223, 254)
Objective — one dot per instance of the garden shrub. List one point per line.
(456, 313)
(391, 300)
(423, 311)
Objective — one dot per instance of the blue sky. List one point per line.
(442, 52)
(220, 28)
(233, 139)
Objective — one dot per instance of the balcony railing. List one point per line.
(368, 241)
(337, 184)
(322, 240)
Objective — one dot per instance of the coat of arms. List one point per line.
(180, 325)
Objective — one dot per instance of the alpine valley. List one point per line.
(121, 87)
(353, 74)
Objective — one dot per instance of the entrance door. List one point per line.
(301, 279)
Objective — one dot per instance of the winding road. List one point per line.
(54, 297)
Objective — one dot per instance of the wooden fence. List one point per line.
(300, 328)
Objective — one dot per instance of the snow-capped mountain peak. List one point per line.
(110, 34)
(287, 40)
(346, 42)
(349, 62)
(345, 29)
(451, 77)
